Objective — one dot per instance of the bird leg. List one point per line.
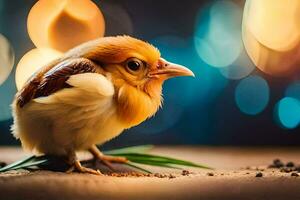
(106, 160)
(76, 166)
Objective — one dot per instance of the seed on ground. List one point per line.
(294, 174)
(259, 174)
(210, 174)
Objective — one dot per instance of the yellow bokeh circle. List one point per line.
(64, 24)
(33, 61)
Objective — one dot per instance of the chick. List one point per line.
(89, 96)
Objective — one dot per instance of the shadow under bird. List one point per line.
(89, 96)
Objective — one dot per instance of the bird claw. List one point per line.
(107, 160)
(79, 168)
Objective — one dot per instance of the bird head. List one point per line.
(137, 71)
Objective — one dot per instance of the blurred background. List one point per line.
(245, 55)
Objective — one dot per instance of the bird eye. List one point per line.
(134, 65)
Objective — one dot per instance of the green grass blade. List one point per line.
(16, 164)
(164, 159)
(134, 149)
(157, 164)
(148, 160)
(32, 161)
(137, 167)
(34, 164)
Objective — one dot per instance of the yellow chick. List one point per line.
(90, 96)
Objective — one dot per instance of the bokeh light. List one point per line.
(31, 62)
(275, 23)
(288, 112)
(7, 92)
(7, 58)
(241, 68)
(293, 90)
(218, 34)
(270, 35)
(252, 95)
(63, 24)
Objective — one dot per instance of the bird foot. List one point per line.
(107, 160)
(113, 159)
(79, 168)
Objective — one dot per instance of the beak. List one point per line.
(166, 70)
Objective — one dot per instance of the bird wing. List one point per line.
(55, 79)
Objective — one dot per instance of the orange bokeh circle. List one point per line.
(64, 24)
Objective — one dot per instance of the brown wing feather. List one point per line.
(53, 78)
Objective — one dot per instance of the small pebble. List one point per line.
(286, 169)
(171, 176)
(290, 164)
(210, 174)
(2, 164)
(259, 174)
(185, 173)
(277, 163)
(294, 174)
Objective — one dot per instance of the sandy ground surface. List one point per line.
(234, 177)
